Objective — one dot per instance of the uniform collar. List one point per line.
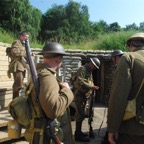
(42, 65)
(139, 48)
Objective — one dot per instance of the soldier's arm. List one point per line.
(82, 81)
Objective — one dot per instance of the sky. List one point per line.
(124, 12)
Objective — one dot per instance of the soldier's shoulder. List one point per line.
(82, 68)
(16, 42)
(127, 54)
(132, 54)
(42, 71)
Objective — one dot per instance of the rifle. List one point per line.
(51, 123)
(90, 117)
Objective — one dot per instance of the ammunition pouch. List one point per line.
(35, 132)
(40, 131)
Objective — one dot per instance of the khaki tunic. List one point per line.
(126, 82)
(18, 51)
(54, 99)
(85, 83)
(16, 66)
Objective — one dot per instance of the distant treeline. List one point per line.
(68, 24)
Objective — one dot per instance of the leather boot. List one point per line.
(79, 135)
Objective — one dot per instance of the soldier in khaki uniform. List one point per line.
(116, 55)
(126, 82)
(55, 96)
(17, 65)
(84, 86)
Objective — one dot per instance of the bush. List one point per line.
(115, 40)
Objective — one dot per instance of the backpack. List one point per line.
(21, 109)
(29, 115)
(8, 52)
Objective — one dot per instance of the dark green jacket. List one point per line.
(126, 82)
(84, 81)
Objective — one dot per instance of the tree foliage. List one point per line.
(67, 24)
(19, 15)
(113, 41)
(114, 27)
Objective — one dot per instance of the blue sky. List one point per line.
(124, 12)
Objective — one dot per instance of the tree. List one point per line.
(114, 27)
(68, 23)
(78, 18)
(131, 27)
(54, 24)
(100, 27)
(19, 15)
(141, 27)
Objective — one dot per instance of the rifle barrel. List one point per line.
(35, 81)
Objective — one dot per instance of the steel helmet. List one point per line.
(135, 37)
(53, 48)
(95, 62)
(117, 53)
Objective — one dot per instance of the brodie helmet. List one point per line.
(53, 48)
(136, 38)
(117, 53)
(95, 62)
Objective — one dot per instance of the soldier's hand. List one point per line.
(95, 87)
(64, 85)
(112, 137)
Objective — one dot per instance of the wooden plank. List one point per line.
(5, 103)
(4, 67)
(4, 62)
(5, 97)
(4, 84)
(4, 58)
(5, 78)
(4, 45)
(5, 89)
(3, 73)
(4, 118)
(21, 142)
(2, 53)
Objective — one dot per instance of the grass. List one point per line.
(110, 41)
(6, 37)
(9, 38)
